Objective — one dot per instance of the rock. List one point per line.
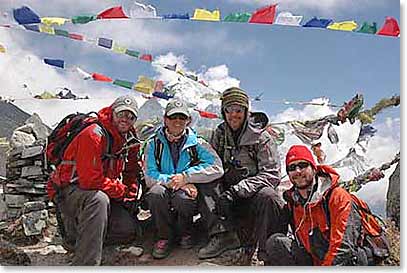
(28, 171)
(393, 197)
(15, 200)
(32, 151)
(34, 222)
(19, 139)
(33, 206)
(50, 249)
(3, 207)
(10, 255)
(137, 251)
(39, 129)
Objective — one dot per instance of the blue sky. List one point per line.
(286, 63)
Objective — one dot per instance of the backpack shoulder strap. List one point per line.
(325, 206)
(158, 151)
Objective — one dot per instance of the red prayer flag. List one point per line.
(100, 77)
(205, 114)
(159, 85)
(264, 15)
(75, 36)
(390, 27)
(203, 83)
(115, 12)
(146, 57)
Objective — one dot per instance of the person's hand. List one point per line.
(177, 181)
(191, 190)
(225, 203)
(130, 194)
(375, 175)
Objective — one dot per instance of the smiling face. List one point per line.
(301, 174)
(176, 123)
(123, 121)
(235, 116)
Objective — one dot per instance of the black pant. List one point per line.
(172, 212)
(283, 250)
(261, 215)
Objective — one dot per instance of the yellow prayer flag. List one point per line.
(53, 21)
(344, 26)
(206, 15)
(47, 29)
(2, 49)
(144, 85)
(118, 49)
(181, 72)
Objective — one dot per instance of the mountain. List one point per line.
(11, 117)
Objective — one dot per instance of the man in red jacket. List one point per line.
(318, 240)
(91, 192)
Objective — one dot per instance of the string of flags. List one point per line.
(263, 15)
(101, 42)
(373, 174)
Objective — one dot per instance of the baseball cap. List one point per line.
(176, 106)
(126, 102)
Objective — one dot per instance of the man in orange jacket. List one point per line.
(317, 239)
(91, 193)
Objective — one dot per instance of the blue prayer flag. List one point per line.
(315, 22)
(25, 15)
(176, 16)
(104, 42)
(54, 62)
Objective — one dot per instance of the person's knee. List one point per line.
(274, 242)
(184, 205)
(155, 194)
(100, 200)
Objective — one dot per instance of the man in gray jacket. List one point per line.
(252, 172)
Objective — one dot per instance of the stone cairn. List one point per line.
(24, 189)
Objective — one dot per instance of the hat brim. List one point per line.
(178, 111)
(125, 108)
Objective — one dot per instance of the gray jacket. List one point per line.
(256, 153)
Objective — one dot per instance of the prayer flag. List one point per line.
(390, 27)
(53, 21)
(25, 15)
(75, 36)
(146, 57)
(83, 19)
(288, 19)
(238, 17)
(47, 29)
(132, 53)
(104, 42)
(122, 83)
(115, 12)
(32, 27)
(344, 26)
(144, 85)
(264, 15)
(206, 15)
(101, 78)
(320, 23)
(366, 28)
(55, 62)
(176, 16)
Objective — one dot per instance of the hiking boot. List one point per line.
(186, 242)
(161, 249)
(218, 244)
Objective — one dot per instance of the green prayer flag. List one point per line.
(83, 19)
(125, 84)
(238, 17)
(132, 53)
(366, 28)
(61, 32)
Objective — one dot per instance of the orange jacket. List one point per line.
(86, 151)
(327, 243)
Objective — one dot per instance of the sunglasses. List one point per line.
(177, 116)
(127, 115)
(234, 108)
(301, 165)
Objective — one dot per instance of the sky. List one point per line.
(283, 63)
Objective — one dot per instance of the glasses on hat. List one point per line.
(177, 116)
(234, 108)
(301, 165)
(127, 115)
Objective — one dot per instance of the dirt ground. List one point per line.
(46, 249)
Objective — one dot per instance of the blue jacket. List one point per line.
(209, 168)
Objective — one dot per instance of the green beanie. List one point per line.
(234, 95)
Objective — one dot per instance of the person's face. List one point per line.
(301, 173)
(176, 123)
(235, 115)
(123, 120)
